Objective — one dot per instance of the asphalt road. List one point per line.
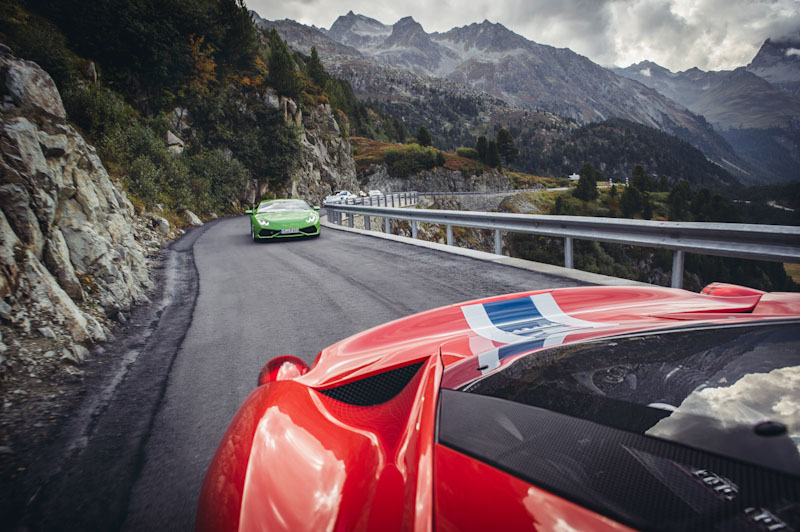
(141, 460)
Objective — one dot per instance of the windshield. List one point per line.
(696, 387)
(283, 205)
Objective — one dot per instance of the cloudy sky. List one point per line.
(677, 34)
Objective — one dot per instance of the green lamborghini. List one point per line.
(283, 218)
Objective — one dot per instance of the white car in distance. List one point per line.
(341, 196)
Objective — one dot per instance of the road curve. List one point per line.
(147, 449)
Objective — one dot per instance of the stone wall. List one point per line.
(436, 180)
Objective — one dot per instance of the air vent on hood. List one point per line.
(376, 389)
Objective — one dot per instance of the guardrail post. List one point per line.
(498, 242)
(350, 219)
(677, 268)
(413, 229)
(568, 263)
(392, 199)
(388, 226)
(449, 235)
(367, 223)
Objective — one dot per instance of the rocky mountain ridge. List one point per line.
(778, 62)
(489, 59)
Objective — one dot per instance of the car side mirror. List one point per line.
(249, 211)
(281, 369)
(316, 207)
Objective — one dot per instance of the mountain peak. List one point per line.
(407, 22)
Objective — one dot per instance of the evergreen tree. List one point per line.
(647, 207)
(612, 192)
(679, 199)
(482, 146)
(587, 184)
(282, 74)
(315, 69)
(423, 136)
(493, 155)
(400, 130)
(440, 160)
(505, 145)
(631, 202)
(641, 180)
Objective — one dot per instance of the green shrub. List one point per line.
(408, 160)
(469, 153)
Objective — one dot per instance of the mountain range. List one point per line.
(755, 108)
(489, 63)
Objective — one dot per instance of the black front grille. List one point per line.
(310, 230)
(267, 232)
(374, 390)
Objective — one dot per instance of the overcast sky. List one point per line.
(677, 34)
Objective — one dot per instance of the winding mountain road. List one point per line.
(228, 306)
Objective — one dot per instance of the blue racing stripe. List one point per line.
(517, 316)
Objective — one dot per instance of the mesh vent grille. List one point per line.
(376, 389)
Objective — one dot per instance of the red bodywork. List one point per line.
(296, 459)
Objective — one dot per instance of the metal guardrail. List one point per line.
(485, 193)
(397, 199)
(777, 243)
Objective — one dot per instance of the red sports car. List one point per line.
(599, 408)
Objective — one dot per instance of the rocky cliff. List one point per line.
(326, 161)
(73, 253)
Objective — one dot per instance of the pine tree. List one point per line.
(315, 69)
(631, 202)
(493, 155)
(282, 74)
(505, 145)
(587, 184)
(482, 146)
(423, 136)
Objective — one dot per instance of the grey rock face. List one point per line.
(70, 252)
(327, 163)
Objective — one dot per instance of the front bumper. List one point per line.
(267, 233)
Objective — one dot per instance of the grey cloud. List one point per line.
(678, 34)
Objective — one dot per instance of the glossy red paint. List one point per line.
(471, 495)
(315, 463)
(281, 369)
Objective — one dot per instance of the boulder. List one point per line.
(31, 88)
(174, 144)
(192, 219)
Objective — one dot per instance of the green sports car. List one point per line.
(283, 218)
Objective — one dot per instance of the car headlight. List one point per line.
(312, 218)
(262, 222)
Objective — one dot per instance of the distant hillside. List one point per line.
(615, 147)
